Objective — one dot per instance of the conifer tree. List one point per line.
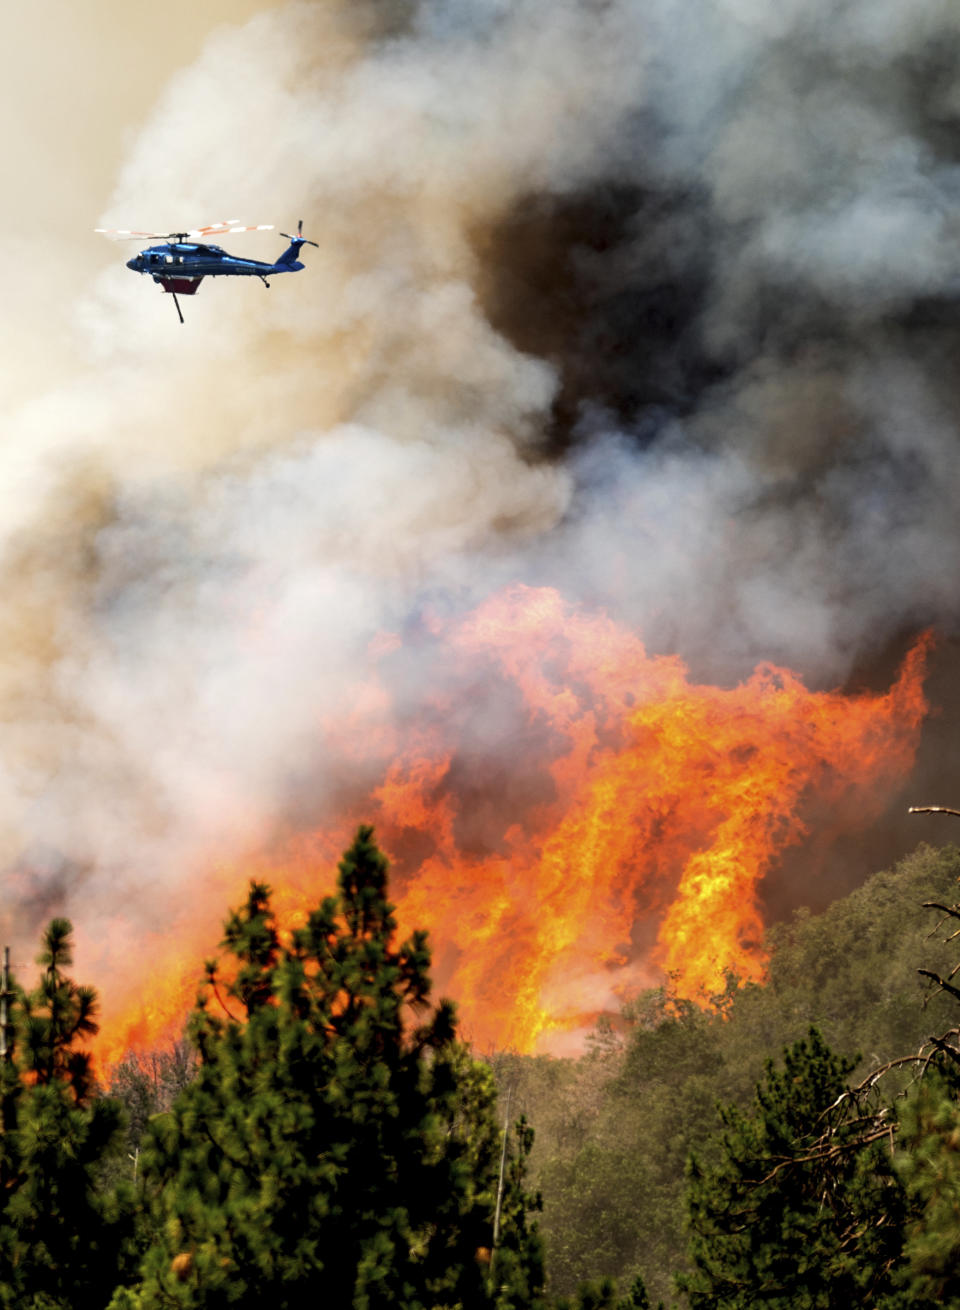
(62, 1241)
(928, 1162)
(517, 1265)
(338, 1145)
(796, 1212)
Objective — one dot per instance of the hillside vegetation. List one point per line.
(614, 1129)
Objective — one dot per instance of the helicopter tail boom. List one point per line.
(289, 256)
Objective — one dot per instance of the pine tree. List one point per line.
(928, 1161)
(338, 1145)
(63, 1242)
(517, 1260)
(797, 1213)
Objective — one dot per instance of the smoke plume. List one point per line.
(651, 302)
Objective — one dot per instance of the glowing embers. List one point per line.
(568, 816)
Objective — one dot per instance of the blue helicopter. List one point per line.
(184, 259)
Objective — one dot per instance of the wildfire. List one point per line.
(569, 815)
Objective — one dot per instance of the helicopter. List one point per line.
(184, 259)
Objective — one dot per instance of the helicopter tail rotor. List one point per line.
(300, 237)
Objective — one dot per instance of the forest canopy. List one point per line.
(321, 1133)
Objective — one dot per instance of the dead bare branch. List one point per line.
(941, 982)
(951, 910)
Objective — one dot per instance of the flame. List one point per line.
(623, 823)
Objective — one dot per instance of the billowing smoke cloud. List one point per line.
(761, 297)
(648, 301)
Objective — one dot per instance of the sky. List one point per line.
(651, 302)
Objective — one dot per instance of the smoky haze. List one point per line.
(651, 302)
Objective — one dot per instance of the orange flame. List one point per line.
(634, 815)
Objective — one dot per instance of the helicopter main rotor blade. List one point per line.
(229, 226)
(219, 226)
(226, 225)
(125, 234)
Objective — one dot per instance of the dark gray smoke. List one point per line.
(753, 312)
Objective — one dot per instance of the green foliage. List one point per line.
(331, 1149)
(852, 970)
(795, 1212)
(613, 1191)
(334, 1143)
(63, 1241)
(603, 1295)
(928, 1161)
(517, 1262)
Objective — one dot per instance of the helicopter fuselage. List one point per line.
(178, 260)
